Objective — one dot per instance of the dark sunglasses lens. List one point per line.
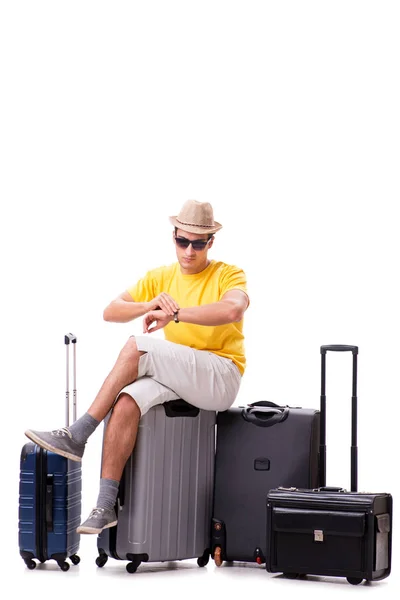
(196, 244)
(199, 245)
(182, 242)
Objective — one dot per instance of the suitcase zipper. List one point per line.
(41, 478)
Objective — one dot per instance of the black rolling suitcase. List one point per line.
(329, 531)
(259, 447)
(50, 498)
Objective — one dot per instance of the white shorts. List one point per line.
(170, 371)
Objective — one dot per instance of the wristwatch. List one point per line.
(176, 316)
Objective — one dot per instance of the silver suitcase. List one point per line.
(165, 497)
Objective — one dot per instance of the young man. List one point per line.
(200, 304)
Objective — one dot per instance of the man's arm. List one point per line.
(124, 309)
(229, 309)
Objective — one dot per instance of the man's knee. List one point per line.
(130, 350)
(126, 405)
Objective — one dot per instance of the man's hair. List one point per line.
(210, 235)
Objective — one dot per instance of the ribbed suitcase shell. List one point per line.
(164, 511)
(250, 460)
(338, 534)
(48, 530)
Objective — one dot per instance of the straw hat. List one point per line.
(196, 217)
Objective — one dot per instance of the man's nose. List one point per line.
(189, 250)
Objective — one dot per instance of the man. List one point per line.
(200, 304)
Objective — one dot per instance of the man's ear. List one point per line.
(210, 243)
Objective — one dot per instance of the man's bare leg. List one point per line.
(120, 437)
(119, 441)
(124, 372)
(70, 442)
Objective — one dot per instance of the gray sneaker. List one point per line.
(58, 441)
(99, 519)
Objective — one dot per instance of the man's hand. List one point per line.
(158, 317)
(165, 302)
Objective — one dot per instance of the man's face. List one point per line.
(192, 260)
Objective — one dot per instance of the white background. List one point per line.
(285, 116)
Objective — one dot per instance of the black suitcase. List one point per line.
(50, 498)
(329, 531)
(258, 447)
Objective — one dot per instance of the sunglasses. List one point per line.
(196, 244)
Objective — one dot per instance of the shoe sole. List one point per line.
(83, 529)
(29, 434)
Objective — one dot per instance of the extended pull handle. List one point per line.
(339, 348)
(322, 448)
(70, 338)
(265, 413)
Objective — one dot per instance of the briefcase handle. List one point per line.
(328, 488)
(322, 447)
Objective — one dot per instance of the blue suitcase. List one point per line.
(50, 499)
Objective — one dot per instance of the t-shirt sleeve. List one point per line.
(232, 278)
(145, 289)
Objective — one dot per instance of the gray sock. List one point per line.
(83, 428)
(108, 493)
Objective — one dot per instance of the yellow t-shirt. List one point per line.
(195, 290)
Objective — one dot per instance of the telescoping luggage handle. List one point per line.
(70, 338)
(322, 448)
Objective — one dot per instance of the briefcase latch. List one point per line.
(318, 535)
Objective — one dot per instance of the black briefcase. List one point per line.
(329, 531)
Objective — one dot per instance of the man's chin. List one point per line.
(187, 265)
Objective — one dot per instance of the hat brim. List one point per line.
(195, 228)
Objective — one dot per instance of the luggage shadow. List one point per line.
(316, 578)
(165, 568)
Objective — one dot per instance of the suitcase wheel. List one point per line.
(101, 560)
(75, 559)
(132, 566)
(217, 556)
(291, 575)
(354, 580)
(64, 566)
(203, 560)
(30, 564)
